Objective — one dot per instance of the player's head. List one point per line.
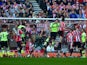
(57, 20)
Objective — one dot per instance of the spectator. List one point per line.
(65, 5)
(49, 10)
(73, 14)
(50, 48)
(13, 8)
(81, 14)
(43, 5)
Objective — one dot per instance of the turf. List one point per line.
(43, 61)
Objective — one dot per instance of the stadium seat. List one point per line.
(37, 54)
(67, 54)
(55, 54)
(62, 55)
(51, 54)
(76, 54)
(23, 54)
(15, 53)
(41, 54)
(27, 52)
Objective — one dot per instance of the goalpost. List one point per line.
(67, 20)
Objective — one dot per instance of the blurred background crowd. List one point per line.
(67, 8)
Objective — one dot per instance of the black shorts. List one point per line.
(59, 46)
(13, 48)
(78, 44)
(19, 44)
(83, 45)
(53, 35)
(4, 44)
(70, 50)
(60, 33)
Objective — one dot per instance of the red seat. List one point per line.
(51, 54)
(37, 54)
(41, 54)
(16, 54)
(76, 54)
(86, 54)
(67, 54)
(23, 54)
(62, 55)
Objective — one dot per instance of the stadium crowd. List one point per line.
(16, 8)
(43, 36)
(67, 8)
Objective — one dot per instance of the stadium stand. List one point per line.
(16, 8)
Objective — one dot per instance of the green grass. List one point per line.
(43, 61)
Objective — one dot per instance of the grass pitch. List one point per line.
(43, 61)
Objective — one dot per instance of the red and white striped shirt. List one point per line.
(62, 26)
(70, 37)
(29, 46)
(76, 35)
(17, 38)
